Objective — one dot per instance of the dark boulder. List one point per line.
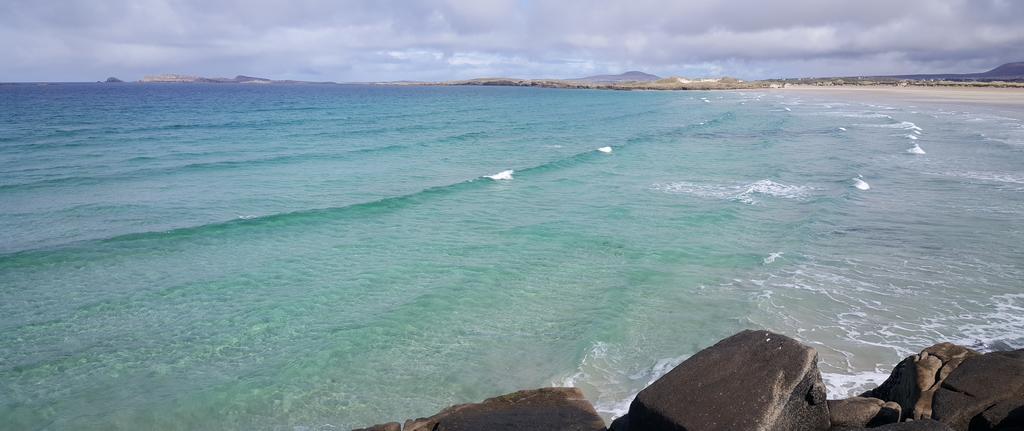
(891, 412)
(537, 409)
(859, 412)
(914, 380)
(754, 380)
(1004, 416)
(980, 384)
(620, 423)
(390, 426)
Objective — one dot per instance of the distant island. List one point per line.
(1006, 75)
(239, 79)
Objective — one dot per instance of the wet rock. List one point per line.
(754, 380)
(537, 409)
(914, 380)
(979, 384)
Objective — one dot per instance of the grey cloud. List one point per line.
(430, 40)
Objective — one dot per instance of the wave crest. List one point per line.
(746, 193)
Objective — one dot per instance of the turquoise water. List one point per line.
(323, 257)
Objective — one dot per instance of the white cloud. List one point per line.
(448, 39)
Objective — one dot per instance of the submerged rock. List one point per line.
(537, 409)
(984, 392)
(914, 380)
(754, 380)
(390, 426)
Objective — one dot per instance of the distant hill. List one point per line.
(240, 79)
(631, 76)
(1006, 72)
(170, 77)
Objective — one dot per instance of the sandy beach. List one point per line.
(986, 95)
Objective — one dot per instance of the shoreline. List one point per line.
(758, 379)
(1013, 96)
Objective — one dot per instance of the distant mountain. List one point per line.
(631, 76)
(1006, 72)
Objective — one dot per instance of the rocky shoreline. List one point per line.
(759, 380)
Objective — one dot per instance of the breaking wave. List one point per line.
(611, 379)
(745, 193)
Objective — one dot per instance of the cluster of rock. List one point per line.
(759, 380)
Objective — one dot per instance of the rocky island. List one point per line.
(760, 380)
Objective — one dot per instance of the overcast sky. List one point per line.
(52, 40)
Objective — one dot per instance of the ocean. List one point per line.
(310, 257)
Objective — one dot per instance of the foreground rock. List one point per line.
(758, 380)
(914, 380)
(860, 412)
(754, 380)
(985, 392)
(538, 409)
(921, 425)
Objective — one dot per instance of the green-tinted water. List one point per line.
(211, 257)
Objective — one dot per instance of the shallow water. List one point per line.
(281, 257)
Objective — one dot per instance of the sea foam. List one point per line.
(502, 176)
(842, 385)
(611, 378)
(606, 150)
(771, 257)
(746, 193)
(916, 149)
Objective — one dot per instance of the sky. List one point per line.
(384, 40)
